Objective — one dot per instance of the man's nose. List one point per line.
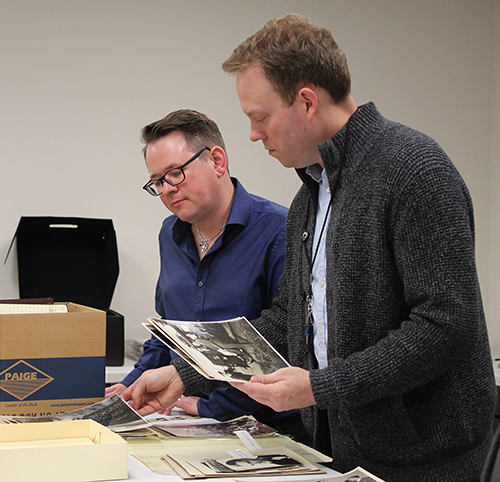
(256, 134)
(167, 188)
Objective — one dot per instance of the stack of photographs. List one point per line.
(264, 462)
(111, 412)
(199, 428)
(229, 350)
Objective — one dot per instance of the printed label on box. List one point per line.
(22, 379)
(52, 378)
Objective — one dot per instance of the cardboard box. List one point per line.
(52, 362)
(72, 259)
(75, 451)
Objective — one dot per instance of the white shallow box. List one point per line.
(74, 451)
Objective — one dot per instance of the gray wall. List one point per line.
(80, 78)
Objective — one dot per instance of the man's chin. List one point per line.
(284, 162)
(277, 156)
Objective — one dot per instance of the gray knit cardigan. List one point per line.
(409, 389)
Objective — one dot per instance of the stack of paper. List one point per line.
(200, 428)
(112, 413)
(201, 435)
(15, 308)
(263, 462)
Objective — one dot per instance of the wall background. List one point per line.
(81, 78)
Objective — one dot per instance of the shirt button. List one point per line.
(305, 235)
(200, 284)
(320, 331)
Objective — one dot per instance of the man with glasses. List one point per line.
(222, 251)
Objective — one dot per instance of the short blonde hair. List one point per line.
(294, 52)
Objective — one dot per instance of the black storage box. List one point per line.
(72, 259)
(115, 339)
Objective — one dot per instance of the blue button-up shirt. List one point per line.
(237, 277)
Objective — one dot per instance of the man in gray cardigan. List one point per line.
(379, 311)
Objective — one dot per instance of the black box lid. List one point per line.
(68, 259)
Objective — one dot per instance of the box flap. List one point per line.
(68, 259)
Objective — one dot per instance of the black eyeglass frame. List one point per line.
(148, 186)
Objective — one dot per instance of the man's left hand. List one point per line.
(282, 390)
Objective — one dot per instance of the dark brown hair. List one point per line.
(198, 129)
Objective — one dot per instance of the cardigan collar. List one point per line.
(357, 136)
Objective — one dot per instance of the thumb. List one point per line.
(126, 393)
(264, 379)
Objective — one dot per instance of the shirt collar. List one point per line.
(240, 210)
(315, 171)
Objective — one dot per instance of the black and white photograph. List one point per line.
(357, 475)
(272, 461)
(227, 350)
(359, 478)
(258, 463)
(112, 412)
(219, 429)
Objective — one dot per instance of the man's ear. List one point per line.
(307, 96)
(219, 157)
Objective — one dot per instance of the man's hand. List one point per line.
(155, 390)
(188, 404)
(285, 389)
(116, 389)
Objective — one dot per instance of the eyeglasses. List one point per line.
(173, 177)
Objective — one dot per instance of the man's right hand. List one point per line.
(155, 390)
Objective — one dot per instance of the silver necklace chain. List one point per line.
(203, 244)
